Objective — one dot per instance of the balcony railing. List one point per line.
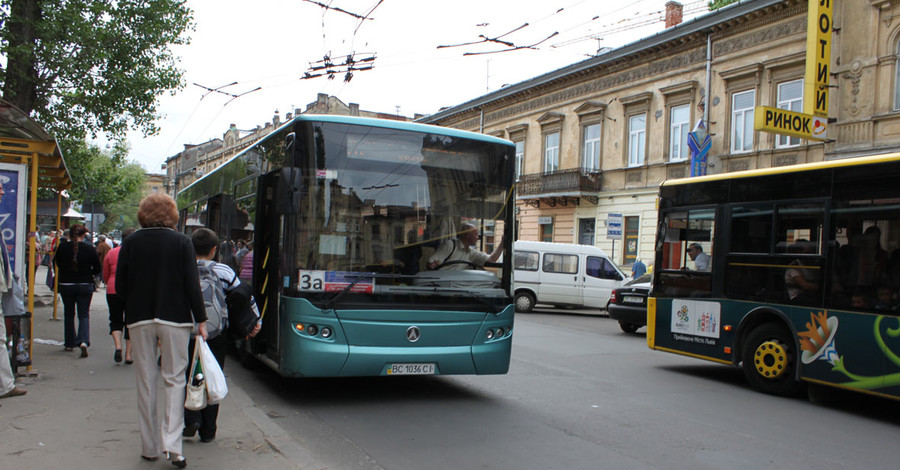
(575, 180)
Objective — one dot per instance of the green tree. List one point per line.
(715, 4)
(82, 67)
(104, 177)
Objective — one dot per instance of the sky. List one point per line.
(266, 50)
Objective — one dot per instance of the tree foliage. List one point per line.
(81, 67)
(102, 177)
(716, 4)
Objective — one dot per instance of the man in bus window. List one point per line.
(700, 259)
(801, 282)
(460, 253)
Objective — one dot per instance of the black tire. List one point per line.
(630, 328)
(769, 357)
(524, 302)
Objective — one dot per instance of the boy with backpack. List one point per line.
(217, 281)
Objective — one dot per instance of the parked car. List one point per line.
(563, 274)
(628, 304)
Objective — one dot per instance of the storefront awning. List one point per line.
(72, 213)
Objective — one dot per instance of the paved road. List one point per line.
(580, 394)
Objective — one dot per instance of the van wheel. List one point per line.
(628, 327)
(524, 302)
(770, 359)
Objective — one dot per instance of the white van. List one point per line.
(563, 274)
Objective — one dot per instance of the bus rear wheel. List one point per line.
(524, 302)
(769, 359)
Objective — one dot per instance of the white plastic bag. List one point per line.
(215, 379)
(196, 396)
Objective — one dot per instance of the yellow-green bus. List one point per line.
(791, 273)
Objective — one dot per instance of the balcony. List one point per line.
(559, 187)
(571, 182)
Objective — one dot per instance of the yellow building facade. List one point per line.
(595, 139)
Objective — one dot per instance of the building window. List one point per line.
(632, 236)
(547, 232)
(551, 152)
(790, 97)
(520, 158)
(592, 146)
(637, 133)
(679, 127)
(742, 121)
(897, 80)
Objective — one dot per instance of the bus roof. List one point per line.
(400, 125)
(843, 162)
(363, 121)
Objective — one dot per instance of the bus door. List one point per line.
(266, 251)
(278, 198)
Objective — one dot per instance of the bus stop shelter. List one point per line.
(24, 142)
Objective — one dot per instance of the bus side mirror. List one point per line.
(288, 191)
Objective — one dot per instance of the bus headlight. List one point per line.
(326, 332)
(312, 330)
(490, 334)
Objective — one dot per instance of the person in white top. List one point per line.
(8, 387)
(460, 253)
(205, 243)
(700, 259)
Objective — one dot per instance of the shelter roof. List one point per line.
(21, 136)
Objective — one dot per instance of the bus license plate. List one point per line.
(630, 299)
(411, 369)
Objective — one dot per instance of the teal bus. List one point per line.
(344, 214)
(798, 279)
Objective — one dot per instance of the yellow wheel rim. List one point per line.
(771, 359)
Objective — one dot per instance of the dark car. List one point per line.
(628, 304)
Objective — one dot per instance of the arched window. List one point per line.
(897, 77)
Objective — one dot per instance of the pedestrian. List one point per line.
(205, 241)
(116, 304)
(241, 251)
(157, 276)
(638, 269)
(76, 265)
(8, 387)
(102, 249)
(247, 262)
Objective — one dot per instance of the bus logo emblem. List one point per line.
(413, 334)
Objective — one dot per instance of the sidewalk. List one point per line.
(82, 412)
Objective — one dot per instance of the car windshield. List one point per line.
(642, 279)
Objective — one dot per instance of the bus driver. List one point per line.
(462, 249)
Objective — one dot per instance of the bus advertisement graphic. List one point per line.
(693, 320)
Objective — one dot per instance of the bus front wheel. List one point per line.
(770, 359)
(524, 302)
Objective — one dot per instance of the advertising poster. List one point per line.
(12, 213)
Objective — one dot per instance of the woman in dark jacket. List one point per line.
(157, 276)
(76, 265)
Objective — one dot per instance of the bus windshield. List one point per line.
(377, 202)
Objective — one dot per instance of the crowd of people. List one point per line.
(156, 309)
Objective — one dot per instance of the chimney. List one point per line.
(674, 11)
